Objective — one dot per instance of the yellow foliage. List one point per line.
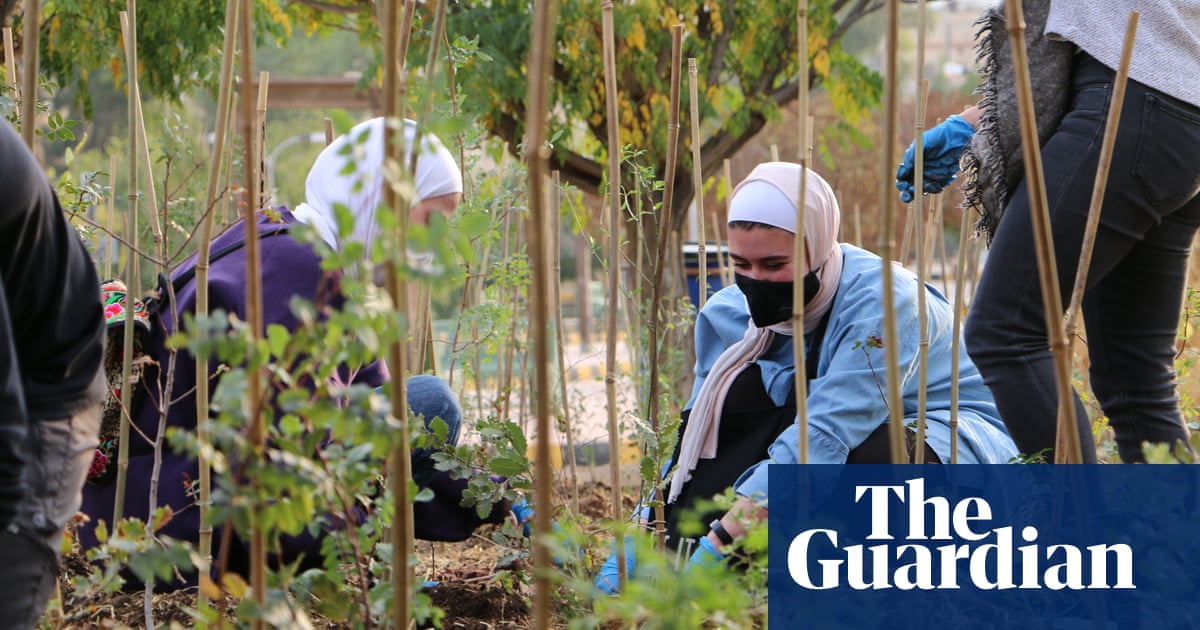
(637, 37)
(714, 14)
(278, 15)
(820, 63)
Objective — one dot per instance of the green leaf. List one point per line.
(507, 465)
(277, 339)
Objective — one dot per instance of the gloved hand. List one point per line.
(942, 146)
(608, 581)
(706, 555)
(523, 513)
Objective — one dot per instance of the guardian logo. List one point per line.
(971, 550)
(971, 546)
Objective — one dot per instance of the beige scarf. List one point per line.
(775, 205)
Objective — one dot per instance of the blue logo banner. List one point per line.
(975, 546)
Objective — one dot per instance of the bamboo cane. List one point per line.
(920, 232)
(560, 332)
(129, 33)
(698, 185)
(799, 247)
(397, 28)
(254, 317)
(891, 342)
(540, 56)
(110, 208)
(421, 350)
(1116, 102)
(224, 96)
(10, 63)
(663, 226)
(133, 288)
(614, 262)
(960, 289)
(1040, 214)
(726, 267)
(774, 152)
(30, 36)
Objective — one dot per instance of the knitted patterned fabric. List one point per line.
(992, 164)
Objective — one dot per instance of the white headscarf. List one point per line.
(769, 195)
(361, 190)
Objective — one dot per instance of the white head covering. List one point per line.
(769, 195)
(361, 190)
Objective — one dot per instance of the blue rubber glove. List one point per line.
(942, 145)
(608, 581)
(523, 513)
(706, 555)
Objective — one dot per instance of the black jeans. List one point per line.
(1135, 283)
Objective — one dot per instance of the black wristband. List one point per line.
(722, 535)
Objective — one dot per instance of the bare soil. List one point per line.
(466, 590)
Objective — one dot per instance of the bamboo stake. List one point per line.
(397, 29)
(613, 255)
(10, 63)
(224, 97)
(421, 350)
(133, 288)
(560, 332)
(254, 319)
(1040, 214)
(30, 35)
(799, 246)
(540, 56)
(698, 185)
(726, 267)
(918, 210)
(1116, 102)
(774, 152)
(960, 289)
(663, 224)
(891, 342)
(129, 33)
(109, 251)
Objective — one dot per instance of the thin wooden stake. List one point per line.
(397, 30)
(698, 185)
(1044, 244)
(30, 36)
(556, 278)
(10, 64)
(540, 54)
(109, 251)
(614, 264)
(216, 159)
(660, 262)
(960, 289)
(891, 342)
(799, 247)
(129, 33)
(1116, 103)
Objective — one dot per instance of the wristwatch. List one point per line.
(719, 529)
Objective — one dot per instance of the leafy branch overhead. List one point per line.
(747, 69)
(745, 52)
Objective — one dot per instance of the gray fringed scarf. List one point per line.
(992, 163)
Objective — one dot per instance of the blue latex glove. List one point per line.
(523, 513)
(706, 555)
(942, 145)
(608, 581)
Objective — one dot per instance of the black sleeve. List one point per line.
(12, 420)
(55, 315)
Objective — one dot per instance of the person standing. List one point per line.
(51, 382)
(1150, 213)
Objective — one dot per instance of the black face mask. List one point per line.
(771, 301)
